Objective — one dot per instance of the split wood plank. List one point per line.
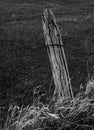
(53, 41)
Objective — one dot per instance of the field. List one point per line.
(24, 62)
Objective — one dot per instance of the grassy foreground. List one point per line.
(70, 115)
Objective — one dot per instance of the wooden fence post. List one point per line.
(53, 41)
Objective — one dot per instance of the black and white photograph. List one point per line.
(46, 64)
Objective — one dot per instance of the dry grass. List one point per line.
(77, 114)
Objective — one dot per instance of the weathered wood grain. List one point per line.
(53, 41)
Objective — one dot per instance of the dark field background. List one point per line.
(24, 62)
